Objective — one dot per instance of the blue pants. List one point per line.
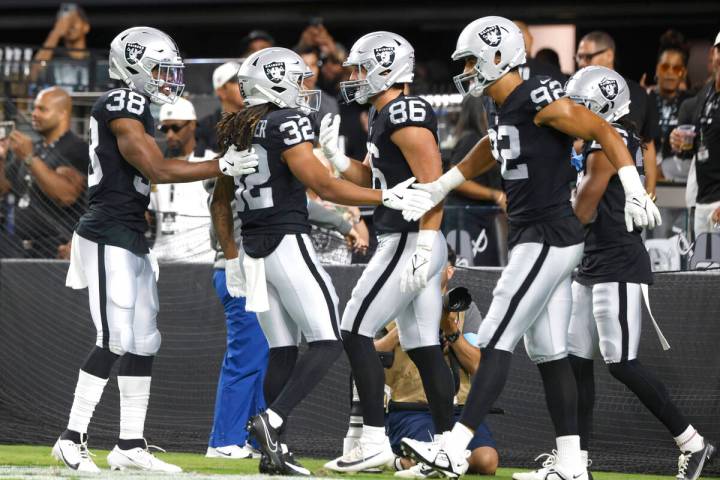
(240, 387)
(418, 425)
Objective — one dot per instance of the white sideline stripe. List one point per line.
(51, 473)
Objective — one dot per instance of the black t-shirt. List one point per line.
(643, 112)
(206, 132)
(272, 201)
(37, 216)
(490, 179)
(612, 254)
(353, 129)
(388, 163)
(535, 166)
(118, 193)
(668, 110)
(707, 166)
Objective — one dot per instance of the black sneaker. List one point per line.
(268, 439)
(266, 465)
(690, 465)
(292, 466)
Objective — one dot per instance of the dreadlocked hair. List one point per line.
(237, 128)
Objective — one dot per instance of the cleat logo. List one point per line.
(134, 52)
(492, 35)
(609, 88)
(385, 56)
(275, 71)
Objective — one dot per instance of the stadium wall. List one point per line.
(46, 331)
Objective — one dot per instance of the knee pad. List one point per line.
(148, 344)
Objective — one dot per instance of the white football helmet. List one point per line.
(602, 90)
(497, 44)
(275, 75)
(385, 57)
(148, 61)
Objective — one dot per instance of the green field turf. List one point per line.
(40, 464)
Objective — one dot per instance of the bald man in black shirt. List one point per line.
(48, 178)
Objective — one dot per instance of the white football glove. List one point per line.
(415, 275)
(329, 138)
(402, 197)
(235, 278)
(438, 190)
(640, 210)
(236, 162)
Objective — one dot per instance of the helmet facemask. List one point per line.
(361, 89)
(307, 101)
(166, 82)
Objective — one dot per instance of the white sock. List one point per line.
(459, 436)
(373, 434)
(88, 391)
(455, 441)
(569, 455)
(134, 397)
(584, 457)
(276, 420)
(690, 440)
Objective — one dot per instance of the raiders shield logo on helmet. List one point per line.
(385, 55)
(275, 71)
(609, 88)
(134, 53)
(491, 35)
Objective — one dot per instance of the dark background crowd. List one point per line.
(54, 64)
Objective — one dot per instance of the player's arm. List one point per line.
(353, 170)
(222, 216)
(598, 173)
(421, 151)
(577, 121)
(313, 174)
(477, 161)
(307, 168)
(141, 151)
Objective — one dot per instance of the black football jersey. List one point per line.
(612, 254)
(118, 194)
(272, 202)
(389, 166)
(536, 172)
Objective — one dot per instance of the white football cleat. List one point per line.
(139, 459)
(418, 471)
(552, 470)
(229, 451)
(437, 456)
(364, 456)
(75, 456)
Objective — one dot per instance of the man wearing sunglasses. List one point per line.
(598, 48)
(181, 213)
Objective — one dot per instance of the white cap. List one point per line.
(224, 73)
(717, 40)
(180, 110)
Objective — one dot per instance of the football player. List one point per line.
(607, 294)
(402, 280)
(530, 134)
(277, 267)
(109, 253)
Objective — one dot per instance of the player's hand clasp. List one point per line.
(236, 162)
(413, 203)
